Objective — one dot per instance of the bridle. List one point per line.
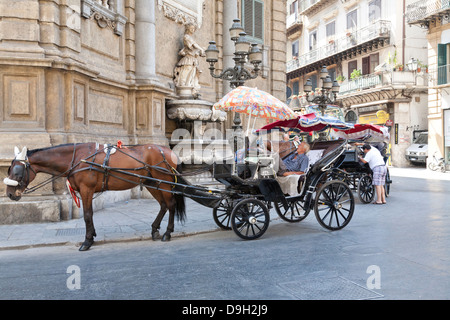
(22, 184)
(22, 171)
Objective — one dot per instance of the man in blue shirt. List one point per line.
(296, 163)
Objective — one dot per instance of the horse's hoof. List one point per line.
(166, 237)
(86, 245)
(155, 235)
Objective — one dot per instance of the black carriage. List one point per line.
(358, 175)
(251, 190)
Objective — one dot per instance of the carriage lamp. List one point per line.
(244, 52)
(329, 91)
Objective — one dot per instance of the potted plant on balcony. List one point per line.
(355, 74)
(340, 79)
(399, 67)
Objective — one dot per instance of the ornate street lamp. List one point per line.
(412, 64)
(244, 51)
(329, 91)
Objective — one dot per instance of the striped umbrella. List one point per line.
(256, 103)
(309, 122)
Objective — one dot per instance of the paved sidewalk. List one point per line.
(131, 221)
(122, 221)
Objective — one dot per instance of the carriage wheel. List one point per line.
(387, 184)
(294, 213)
(250, 219)
(222, 214)
(334, 205)
(366, 190)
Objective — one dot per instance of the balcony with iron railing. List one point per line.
(424, 11)
(390, 79)
(376, 31)
(307, 7)
(294, 25)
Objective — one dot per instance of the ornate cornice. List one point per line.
(105, 17)
(181, 14)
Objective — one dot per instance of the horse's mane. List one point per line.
(31, 152)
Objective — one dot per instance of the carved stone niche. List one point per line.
(105, 13)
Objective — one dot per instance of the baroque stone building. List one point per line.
(102, 70)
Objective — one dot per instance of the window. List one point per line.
(374, 10)
(374, 62)
(351, 117)
(253, 18)
(352, 19)
(443, 67)
(313, 40)
(314, 81)
(293, 8)
(370, 63)
(295, 48)
(295, 87)
(331, 29)
(366, 65)
(332, 73)
(352, 65)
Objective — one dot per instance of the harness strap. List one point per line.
(169, 166)
(106, 168)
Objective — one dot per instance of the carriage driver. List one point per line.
(296, 163)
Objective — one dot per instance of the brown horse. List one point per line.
(88, 172)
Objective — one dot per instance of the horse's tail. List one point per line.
(180, 203)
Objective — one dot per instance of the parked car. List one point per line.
(418, 151)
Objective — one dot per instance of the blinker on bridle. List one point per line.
(19, 171)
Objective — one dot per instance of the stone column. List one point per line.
(229, 13)
(145, 41)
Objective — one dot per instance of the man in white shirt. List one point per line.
(376, 162)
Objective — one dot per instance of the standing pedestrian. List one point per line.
(376, 162)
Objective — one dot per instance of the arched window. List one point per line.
(351, 117)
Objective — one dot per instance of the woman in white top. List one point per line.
(376, 162)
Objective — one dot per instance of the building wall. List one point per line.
(438, 95)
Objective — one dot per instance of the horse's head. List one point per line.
(19, 175)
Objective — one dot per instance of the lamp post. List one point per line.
(413, 64)
(244, 51)
(329, 91)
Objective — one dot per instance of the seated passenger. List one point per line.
(296, 163)
(292, 168)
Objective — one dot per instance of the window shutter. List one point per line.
(442, 63)
(259, 20)
(366, 65)
(248, 16)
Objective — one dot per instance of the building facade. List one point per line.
(103, 70)
(366, 46)
(433, 16)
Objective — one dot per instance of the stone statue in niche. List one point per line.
(187, 73)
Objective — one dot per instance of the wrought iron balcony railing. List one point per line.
(423, 11)
(385, 78)
(380, 28)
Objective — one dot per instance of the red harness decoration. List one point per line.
(120, 145)
(73, 194)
